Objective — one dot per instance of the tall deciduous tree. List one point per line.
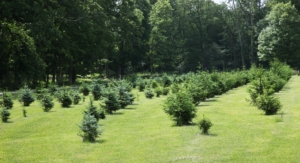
(281, 38)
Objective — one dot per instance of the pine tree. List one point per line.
(92, 110)
(7, 100)
(5, 114)
(26, 96)
(47, 102)
(89, 128)
(111, 103)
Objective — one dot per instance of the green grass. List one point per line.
(144, 133)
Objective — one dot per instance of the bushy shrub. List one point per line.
(205, 125)
(165, 91)
(141, 84)
(197, 92)
(26, 96)
(154, 84)
(52, 89)
(158, 91)
(269, 104)
(41, 93)
(175, 88)
(5, 114)
(85, 89)
(258, 85)
(7, 100)
(96, 91)
(65, 98)
(76, 98)
(89, 128)
(47, 102)
(111, 102)
(149, 93)
(92, 110)
(180, 107)
(167, 81)
(132, 78)
(124, 97)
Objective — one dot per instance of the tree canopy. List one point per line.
(57, 41)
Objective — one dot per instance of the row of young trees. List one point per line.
(266, 83)
(50, 40)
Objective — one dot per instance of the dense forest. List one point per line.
(58, 40)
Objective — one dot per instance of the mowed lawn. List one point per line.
(144, 133)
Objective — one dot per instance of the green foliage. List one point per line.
(180, 107)
(198, 93)
(158, 91)
(6, 100)
(167, 81)
(96, 91)
(76, 98)
(111, 102)
(26, 96)
(65, 98)
(165, 91)
(269, 104)
(141, 84)
(47, 102)
(175, 88)
(89, 128)
(125, 98)
(85, 89)
(205, 125)
(53, 88)
(5, 114)
(149, 93)
(154, 84)
(280, 39)
(92, 110)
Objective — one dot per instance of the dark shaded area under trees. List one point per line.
(56, 40)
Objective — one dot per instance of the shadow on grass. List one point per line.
(8, 122)
(100, 141)
(185, 125)
(117, 113)
(209, 134)
(203, 105)
(210, 100)
(129, 108)
(285, 89)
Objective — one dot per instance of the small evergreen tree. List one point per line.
(76, 98)
(92, 110)
(84, 88)
(89, 128)
(141, 84)
(65, 98)
(205, 125)
(180, 107)
(149, 92)
(7, 100)
(5, 114)
(124, 97)
(158, 90)
(269, 104)
(47, 102)
(96, 91)
(166, 91)
(52, 89)
(26, 96)
(111, 103)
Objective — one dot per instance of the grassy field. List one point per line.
(144, 133)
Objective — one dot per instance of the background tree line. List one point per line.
(56, 40)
